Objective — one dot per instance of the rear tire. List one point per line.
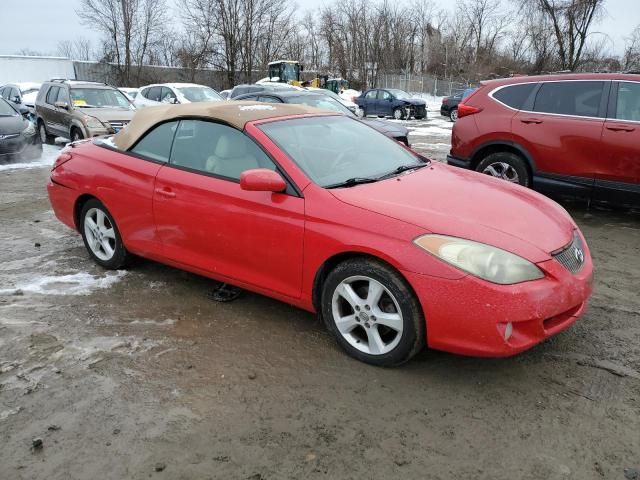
(507, 166)
(44, 135)
(453, 115)
(101, 236)
(384, 329)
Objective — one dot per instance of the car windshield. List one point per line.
(401, 94)
(7, 110)
(200, 94)
(336, 151)
(99, 98)
(320, 101)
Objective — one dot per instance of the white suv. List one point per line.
(160, 93)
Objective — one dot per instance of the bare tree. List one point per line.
(571, 21)
(631, 56)
(78, 49)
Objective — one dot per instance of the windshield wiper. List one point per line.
(400, 169)
(350, 182)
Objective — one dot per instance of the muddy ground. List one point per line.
(140, 374)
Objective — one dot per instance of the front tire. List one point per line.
(76, 134)
(373, 313)
(507, 166)
(361, 112)
(398, 113)
(101, 236)
(44, 136)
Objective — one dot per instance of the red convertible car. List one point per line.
(321, 211)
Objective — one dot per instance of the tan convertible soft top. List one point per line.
(234, 113)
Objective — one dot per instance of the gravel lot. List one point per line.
(140, 374)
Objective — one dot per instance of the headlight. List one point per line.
(92, 122)
(484, 261)
(29, 130)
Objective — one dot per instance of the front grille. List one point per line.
(571, 257)
(118, 124)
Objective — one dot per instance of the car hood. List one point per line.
(12, 125)
(385, 127)
(451, 201)
(109, 114)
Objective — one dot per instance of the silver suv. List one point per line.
(76, 109)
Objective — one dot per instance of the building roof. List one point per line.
(236, 114)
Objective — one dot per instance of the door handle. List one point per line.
(531, 120)
(620, 128)
(165, 193)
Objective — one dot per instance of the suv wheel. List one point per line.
(507, 166)
(44, 136)
(76, 134)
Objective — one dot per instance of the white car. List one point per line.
(131, 93)
(160, 93)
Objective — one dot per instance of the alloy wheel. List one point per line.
(100, 234)
(397, 114)
(454, 115)
(367, 315)
(502, 170)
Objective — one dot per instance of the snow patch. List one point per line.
(431, 130)
(256, 107)
(76, 284)
(49, 154)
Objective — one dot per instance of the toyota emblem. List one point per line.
(577, 252)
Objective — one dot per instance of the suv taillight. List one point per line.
(466, 110)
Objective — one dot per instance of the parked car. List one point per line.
(18, 136)
(576, 134)
(21, 94)
(260, 87)
(131, 93)
(225, 94)
(325, 102)
(174, 93)
(322, 212)
(391, 102)
(347, 103)
(449, 107)
(77, 109)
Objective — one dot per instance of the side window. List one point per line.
(52, 95)
(371, 94)
(628, 104)
(570, 98)
(240, 91)
(216, 149)
(154, 94)
(2, 92)
(268, 99)
(168, 96)
(13, 93)
(384, 95)
(63, 96)
(249, 98)
(145, 92)
(156, 144)
(515, 95)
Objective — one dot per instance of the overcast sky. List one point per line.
(40, 24)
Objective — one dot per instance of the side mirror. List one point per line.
(389, 99)
(64, 105)
(262, 180)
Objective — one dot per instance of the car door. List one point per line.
(65, 115)
(385, 103)
(52, 116)
(371, 102)
(617, 177)
(561, 129)
(208, 222)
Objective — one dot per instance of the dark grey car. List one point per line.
(325, 102)
(18, 138)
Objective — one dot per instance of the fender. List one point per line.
(508, 143)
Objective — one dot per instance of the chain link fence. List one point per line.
(421, 84)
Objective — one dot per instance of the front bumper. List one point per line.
(469, 316)
(458, 162)
(20, 147)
